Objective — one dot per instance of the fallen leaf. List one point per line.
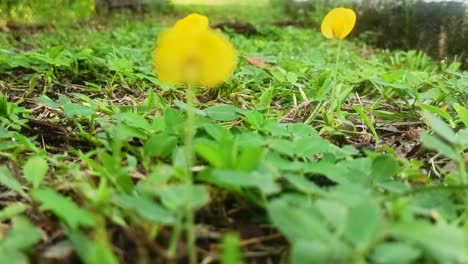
(259, 63)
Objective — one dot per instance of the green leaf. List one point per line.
(279, 74)
(384, 167)
(437, 111)
(298, 220)
(134, 120)
(291, 77)
(89, 251)
(3, 106)
(440, 127)
(35, 170)
(462, 113)
(434, 143)
(231, 253)
(174, 121)
(47, 101)
(21, 237)
(266, 98)
(145, 208)
(222, 112)
(367, 120)
(211, 152)
(7, 180)
(72, 110)
(434, 202)
(160, 145)
(228, 178)
(16, 243)
(184, 197)
(12, 210)
(395, 252)
(309, 251)
(64, 208)
(446, 243)
(249, 158)
(255, 119)
(363, 224)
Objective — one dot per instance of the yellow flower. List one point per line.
(191, 52)
(338, 23)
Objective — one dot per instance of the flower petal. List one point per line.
(191, 52)
(192, 22)
(338, 23)
(219, 58)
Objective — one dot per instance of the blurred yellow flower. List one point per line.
(191, 52)
(338, 23)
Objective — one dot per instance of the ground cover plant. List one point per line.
(315, 150)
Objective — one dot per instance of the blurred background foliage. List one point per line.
(438, 28)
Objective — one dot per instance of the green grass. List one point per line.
(221, 2)
(91, 147)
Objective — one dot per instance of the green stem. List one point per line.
(462, 168)
(333, 80)
(335, 98)
(190, 131)
(172, 250)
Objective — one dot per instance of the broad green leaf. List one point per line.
(228, 178)
(309, 146)
(134, 120)
(160, 145)
(145, 208)
(249, 158)
(395, 252)
(255, 119)
(334, 212)
(211, 152)
(332, 171)
(302, 184)
(312, 251)
(64, 208)
(384, 167)
(446, 243)
(434, 202)
(222, 112)
(35, 170)
(298, 221)
(363, 225)
(72, 110)
(300, 130)
(283, 146)
(174, 121)
(184, 197)
(216, 131)
(47, 101)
